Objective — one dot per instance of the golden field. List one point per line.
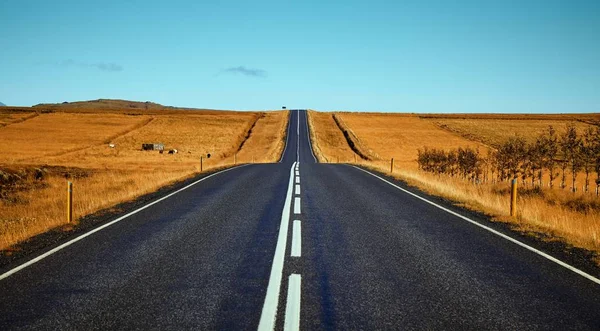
(494, 130)
(39, 151)
(334, 146)
(552, 213)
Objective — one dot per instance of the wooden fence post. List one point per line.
(392, 166)
(69, 202)
(513, 198)
(201, 164)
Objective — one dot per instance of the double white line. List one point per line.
(292, 311)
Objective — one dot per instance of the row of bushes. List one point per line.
(550, 153)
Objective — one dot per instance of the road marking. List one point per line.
(287, 137)
(297, 206)
(296, 239)
(308, 137)
(298, 142)
(269, 310)
(297, 189)
(297, 179)
(72, 241)
(297, 173)
(292, 309)
(515, 241)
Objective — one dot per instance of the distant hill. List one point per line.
(1, 104)
(104, 104)
(112, 106)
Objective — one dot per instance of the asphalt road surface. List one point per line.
(296, 245)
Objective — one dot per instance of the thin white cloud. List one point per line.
(245, 71)
(110, 66)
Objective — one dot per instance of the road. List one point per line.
(292, 245)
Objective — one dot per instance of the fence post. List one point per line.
(355, 158)
(201, 164)
(235, 159)
(69, 202)
(392, 166)
(513, 198)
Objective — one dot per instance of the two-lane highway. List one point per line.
(297, 245)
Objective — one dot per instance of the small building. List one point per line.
(153, 147)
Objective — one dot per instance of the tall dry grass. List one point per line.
(115, 175)
(400, 135)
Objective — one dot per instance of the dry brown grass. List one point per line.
(400, 135)
(59, 133)
(267, 140)
(7, 118)
(494, 132)
(79, 142)
(328, 141)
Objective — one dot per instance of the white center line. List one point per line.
(296, 239)
(297, 173)
(292, 308)
(297, 189)
(298, 180)
(297, 206)
(269, 311)
(298, 139)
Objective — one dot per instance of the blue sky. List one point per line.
(391, 56)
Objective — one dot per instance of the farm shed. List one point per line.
(153, 147)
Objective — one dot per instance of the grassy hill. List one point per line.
(103, 104)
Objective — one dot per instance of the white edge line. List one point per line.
(292, 309)
(287, 136)
(297, 209)
(72, 241)
(269, 310)
(308, 137)
(296, 239)
(515, 241)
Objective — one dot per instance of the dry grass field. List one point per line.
(494, 131)
(399, 136)
(554, 214)
(15, 117)
(323, 129)
(38, 153)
